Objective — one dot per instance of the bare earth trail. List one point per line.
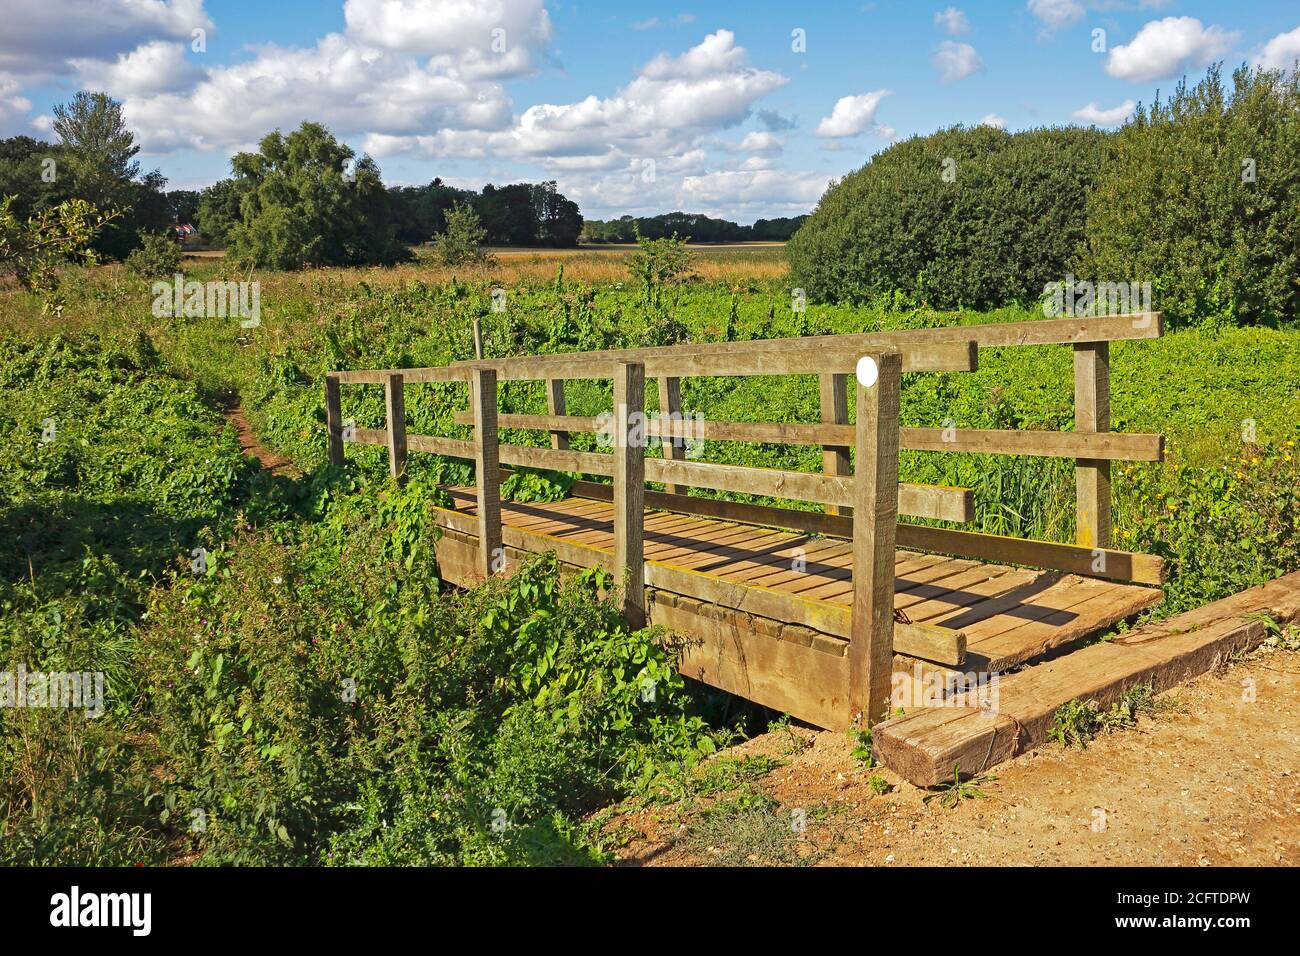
(1216, 782)
(271, 461)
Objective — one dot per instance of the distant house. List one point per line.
(185, 231)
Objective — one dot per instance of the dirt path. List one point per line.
(272, 461)
(1215, 781)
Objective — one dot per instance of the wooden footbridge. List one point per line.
(811, 613)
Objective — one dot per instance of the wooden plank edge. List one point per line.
(1173, 652)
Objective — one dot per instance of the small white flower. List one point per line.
(277, 580)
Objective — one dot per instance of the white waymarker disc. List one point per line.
(868, 371)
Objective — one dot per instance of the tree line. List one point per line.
(303, 198)
(699, 227)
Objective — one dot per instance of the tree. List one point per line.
(463, 240)
(159, 256)
(420, 212)
(100, 152)
(507, 214)
(656, 263)
(558, 221)
(36, 250)
(965, 217)
(303, 201)
(218, 211)
(183, 206)
(1201, 196)
(35, 174)
(93, 128)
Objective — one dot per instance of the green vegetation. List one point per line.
(37, 249)
(229, 733)
(301, 205)
(1077, 722)
(1200, 197)
(158, 257)
(963, 218)
(305, 694)
(462, 240)
(656, 264)
(700, 228)
(952, 794)
(1196, 195)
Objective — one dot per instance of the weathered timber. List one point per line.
(925, 745)
(629, 490)
(1092, 414)
(487, 469)
(1121, 446)
(1147, 325)
(333, 421)
(921, 356)
(555, 405)
(670, 406)
(395, 406)
(875, 514)
(834, 411)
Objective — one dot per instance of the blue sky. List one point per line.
(738, 110)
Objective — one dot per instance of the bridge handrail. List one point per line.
(876, 434)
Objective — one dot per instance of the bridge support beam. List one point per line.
(487, 471)
(670, 404)
(629, 488)
(835, 411)
(1092, 414)
(395, 406)
(333, 420)
(875, 514)
(555, 406)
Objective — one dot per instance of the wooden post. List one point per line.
(629, 488)
(487, 468)
(555, 406)
(835, 411)
(333, 421)
(1092, 414)
(395, 403)
(478, 339)
(875, 514)
(670, 403)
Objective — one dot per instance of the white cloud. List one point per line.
(761, 142)
(952, 20)
(1114, 116)
(41, 37)
(1165, 48)
(994, 120)
(852, 115)
(956, 61)
(493, 38)
(1280, 53)
(663, 111)
(349, 87)
(154, 67)
(1055, 14)
(415, 75)
(13, 107)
